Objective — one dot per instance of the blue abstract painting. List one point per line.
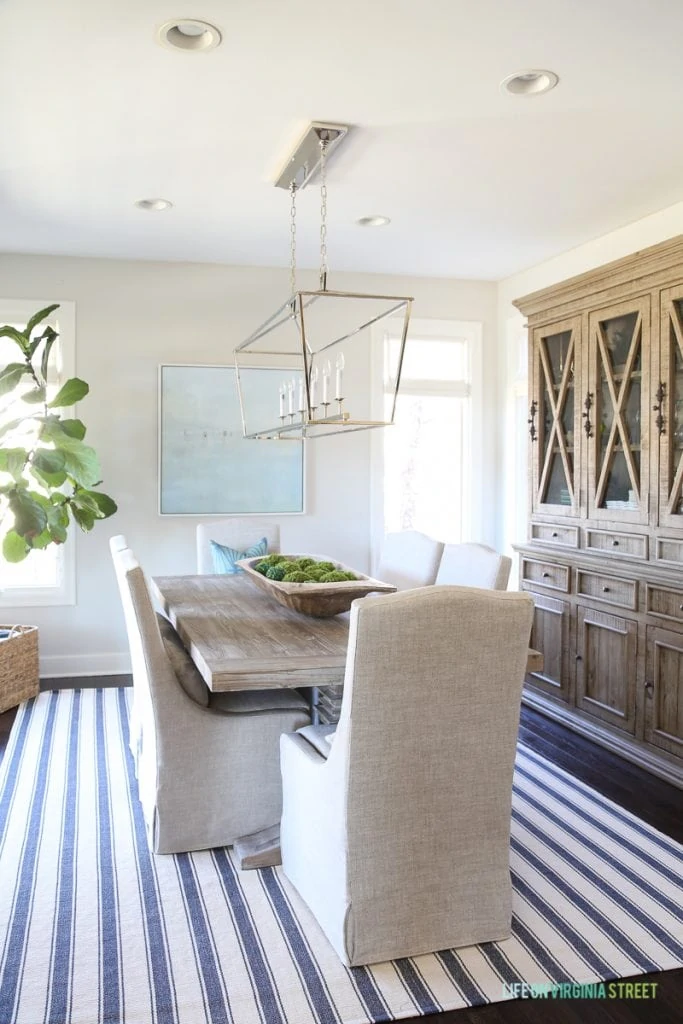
(206, 466)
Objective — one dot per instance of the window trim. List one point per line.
(472, 331)
(63, 319)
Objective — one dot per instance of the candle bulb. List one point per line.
(302, 404)
(338, 379)
(283, 390)
(327, 370)
(313, 385)
(290, 396)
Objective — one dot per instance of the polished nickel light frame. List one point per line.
(308, 159)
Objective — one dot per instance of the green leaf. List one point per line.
(49, 480)
(30, 518)
(49, 460)
(13, 461)
(14, 547)
(12, 425)
(106, 505)
(73, 391)
(41, 540)
(50, 339)
(38, 318)
(84, 517)
(11, 375)
(11, 332)
(73, 428)
(58, 521)
(35, 396)
(80, 461)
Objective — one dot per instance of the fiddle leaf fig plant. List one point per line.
(48, 476)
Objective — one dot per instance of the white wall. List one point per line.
(131, 316)
(511, 525)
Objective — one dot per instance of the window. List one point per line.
(427, 456)
(46, 577)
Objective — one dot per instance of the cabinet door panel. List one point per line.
(550, 634)
(664, 701)
(618, 445)
(606, 667)
(668, 397)
(556, 417)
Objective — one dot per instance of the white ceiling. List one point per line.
(96, 114)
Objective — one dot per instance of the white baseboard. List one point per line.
(59, 665)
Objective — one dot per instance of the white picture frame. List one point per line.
(206, 466)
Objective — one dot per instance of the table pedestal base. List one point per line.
(259, 850)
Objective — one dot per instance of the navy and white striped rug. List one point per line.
(96, 930)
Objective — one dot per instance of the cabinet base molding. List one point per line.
(660, 764)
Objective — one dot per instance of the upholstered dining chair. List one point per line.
(474, 565)
(409, 559)
(208, 764)
(398, 839)
(238, 534)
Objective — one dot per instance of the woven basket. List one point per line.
(19, 675)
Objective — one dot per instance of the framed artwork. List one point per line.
(206, 466)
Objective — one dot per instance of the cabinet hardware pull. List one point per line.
(546, 575)
(648, 685)
(533, 409)
(659, 395)
(588, 426)
(554, 533)
(578, 658)
(605, 590)
(615, 543)
(680, 607)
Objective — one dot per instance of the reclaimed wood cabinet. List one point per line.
(603, 557)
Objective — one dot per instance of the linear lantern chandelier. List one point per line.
(316, 346)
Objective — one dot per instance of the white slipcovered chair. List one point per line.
(235, 533)
(474, 565)
(409, 559)
(208, 764)
(398, 840)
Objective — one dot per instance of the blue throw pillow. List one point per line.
(225, 558)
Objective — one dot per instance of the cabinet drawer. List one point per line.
(562, 536)
(669, 549)
(621, 545)
(609, 589)
(545, 574)
(664, 603)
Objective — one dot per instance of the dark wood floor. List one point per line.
(652, 800)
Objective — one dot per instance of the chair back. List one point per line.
(474, 565)
(409, 559)
(235, 533)
(428, 731)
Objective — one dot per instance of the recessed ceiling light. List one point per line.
(529, 83)
(154, 204)
(189, 34)
(376, 221)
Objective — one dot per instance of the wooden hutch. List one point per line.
(604, 554)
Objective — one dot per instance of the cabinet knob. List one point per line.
(615, 543)
(546, 575)
(554, 533)
(578, 658)
(680, 607)
(649, 685)
(605, 590)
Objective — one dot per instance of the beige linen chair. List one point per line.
(398, 841)
(474, 565)
(235, 533)
(409, 559)
(208, 772)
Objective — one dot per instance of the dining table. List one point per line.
(240, 638)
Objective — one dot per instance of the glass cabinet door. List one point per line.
(554, 418)
(668, 406)
(617, 408)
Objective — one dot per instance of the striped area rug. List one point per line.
(96, 930)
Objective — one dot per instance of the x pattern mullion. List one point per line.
(556, 411)
(618, 400)
(677, 483)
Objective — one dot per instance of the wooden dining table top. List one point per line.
(240, 638)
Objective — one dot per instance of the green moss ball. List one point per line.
(305, 562)
(326, 566)
(350, 575)
(262, 567)
(314, 572)
(295, 577)
(275, 572)
(335, 576)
